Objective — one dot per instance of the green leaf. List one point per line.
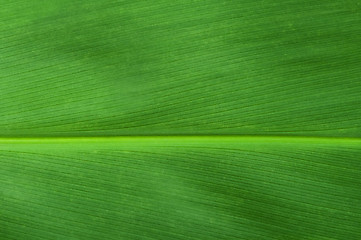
(180, 120)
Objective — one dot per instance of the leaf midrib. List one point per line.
(178, 138)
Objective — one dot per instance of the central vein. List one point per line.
(177, 139)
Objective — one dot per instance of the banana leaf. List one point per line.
(180, 119)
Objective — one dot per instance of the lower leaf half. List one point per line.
(180, 188)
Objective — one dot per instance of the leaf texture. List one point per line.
(190, 68)
(180, 120)
(182, 188)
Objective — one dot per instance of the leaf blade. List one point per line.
(176, 189)
(138, 70)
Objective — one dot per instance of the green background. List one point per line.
(180, 119)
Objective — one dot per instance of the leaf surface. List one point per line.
(180, 120)
(124, 68)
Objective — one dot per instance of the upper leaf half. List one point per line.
(196, 67)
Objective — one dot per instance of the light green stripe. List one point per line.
(214, 138)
